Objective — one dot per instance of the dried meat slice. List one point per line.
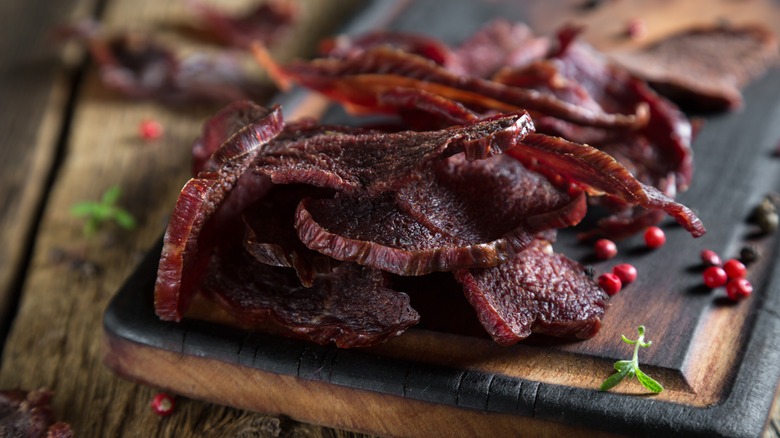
(270, 232)
(134, 64)
(344, 46)
(599, 173)
(268, 22)
(359, 81)
(586, 166)
(440, 223)
(352, 306)
(27, 414)
(497, 45)
(207, 203)
(368, 163)
(235, 123)
(705, 67)
(536, 292)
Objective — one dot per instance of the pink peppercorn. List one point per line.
(605, 249)
(710, 258)
(625, 272)
(734, 268)
(150, 130)
(610, 283)
(655, 237)
(714, 276)
(163, 404)
(636, 29)
(738, 288)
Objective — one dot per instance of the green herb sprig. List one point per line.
(105, 210)
(630, 368)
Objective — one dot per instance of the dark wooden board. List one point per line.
(717, 360)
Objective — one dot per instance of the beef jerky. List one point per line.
(359, 82)
(268, 22)
(271, 237)
(188, 239)
(224, 125)
(344, 46)
(599, 173)
(439, 223)
(352, 306)
(706, 67)
(135, 65)
(368, 163)
(583, 165)
(537, 291)
(499, 44)
(27, 414)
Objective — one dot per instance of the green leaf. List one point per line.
(111, 195)
(623, 364)
(613, 380)
(648, 382)
(627, 341)
(641, 330)
(124, 219)
(83, 209)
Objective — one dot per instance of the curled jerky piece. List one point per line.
(230, 120)
(368, 163)
(599, 173)
(359, 81)
(268, 22)
(188, 240)
(586, 166)
(351, 306)
(705, 67)
(440, 223)
(139, 67)
(537, 291)
(271, 237)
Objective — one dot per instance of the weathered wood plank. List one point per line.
(34, 89)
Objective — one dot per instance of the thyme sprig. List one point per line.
(105, 210)
(630, 368)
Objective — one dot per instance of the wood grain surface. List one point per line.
(57, 150)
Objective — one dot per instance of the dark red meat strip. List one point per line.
(352, 306)
(368, 163)
(189, 236)
(705, 68)
(537, 291)
(268, 22)
(231, 120)
(440, 223)
(133, 64)
(27, 414)
(498, 44)
(601, 174)
(359, 81)
(344, 46)
(271, 237)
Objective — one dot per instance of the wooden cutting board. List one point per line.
(718, 360)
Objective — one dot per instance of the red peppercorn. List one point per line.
(605, 249)
(710, 258)
(714, 276)
(625, 272)
(636, 29)
(610, 283)
(163, 404)
(655, 237)
(734, 268)
(738, 288)
(150, 130)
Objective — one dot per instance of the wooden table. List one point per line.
(64, 138)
